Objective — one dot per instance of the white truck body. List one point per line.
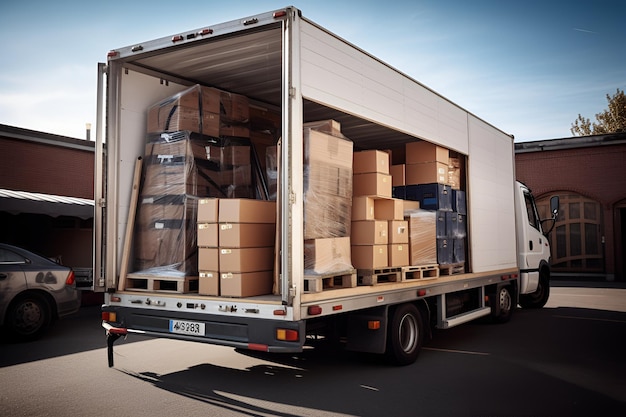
(285, 62)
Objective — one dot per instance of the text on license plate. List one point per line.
(186, 327)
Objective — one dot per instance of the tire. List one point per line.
(502, 305)
(28, 317)
(539, 298)
(405, 335)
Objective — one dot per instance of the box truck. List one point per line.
(264, 182)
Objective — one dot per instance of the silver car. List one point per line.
(34, 291)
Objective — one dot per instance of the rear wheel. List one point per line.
(28, 317)
(405, 335)
(501, 305)
(539, 298)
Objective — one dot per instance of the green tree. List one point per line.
(611, 120)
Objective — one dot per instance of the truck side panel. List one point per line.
(491, 211)
(341, 76)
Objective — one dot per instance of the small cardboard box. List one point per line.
(208, 235)
(369, 232)
(239, 260)
(323, 256)
(327, 149)
(371, 161)
(241, 210)
(398, 231)
(246, 235)
(422, 151)
(246, 284)
(208, 259)
(208, 210)
(389, 209)
(373, 184)
(209, 283)
(398, 255)
(370, 256)
(398, 175)
(426, 173)
(363, 208)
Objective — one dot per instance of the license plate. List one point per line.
(187, 327)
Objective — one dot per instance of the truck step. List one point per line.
(318, 283)
(153, 283)
(421, 272)
(379, 276)
(452, 269)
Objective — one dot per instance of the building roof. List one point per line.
(16, 202)
(571, 143)
(19, 133)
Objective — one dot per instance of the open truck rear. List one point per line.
(308, 92)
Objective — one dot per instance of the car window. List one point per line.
(10, 257)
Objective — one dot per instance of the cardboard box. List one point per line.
(369, 232)
(398, 231)
(208, 235)
(208, 259)
(324, 256)
(247, 235)
(327, 179)
(398, 175)
(246, 211)
(427, 172)
(326, 216)
(422, 237)
(330, 127)
(373, 184)
(246, 284)
(209, 283)
(370, 256)
(389, 209)
(208, 209)
(454, 173)
(238, 260)
(327, 149)
(398, 255)
(371, 161)
(422, 151)
(363, 208)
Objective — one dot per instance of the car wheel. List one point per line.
(28, 317)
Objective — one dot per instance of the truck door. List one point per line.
(533, 245)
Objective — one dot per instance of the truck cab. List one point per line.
(533, 248)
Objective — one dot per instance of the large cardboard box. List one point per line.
(246, 211)
(398, 255)
(371, 161)
(326, 216)
(208, 235)
(239, 260)
(209, 283)
(398, 231)
(427, 172)
(389, 209)
(327, 149)
(422, 151)
(373, 184)
(370, 256)
(327, 256)
(246, 284)
(422, 237)
(246, 235)
(369, 232)
(398, 175)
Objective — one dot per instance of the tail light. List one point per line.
(71, 278)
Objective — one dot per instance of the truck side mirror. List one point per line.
(554, 206)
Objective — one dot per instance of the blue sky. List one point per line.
(528, 67)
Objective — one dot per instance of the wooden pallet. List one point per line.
(379, 276)
(421, 272)
(318, 283)
(153, 283)
(452, 269)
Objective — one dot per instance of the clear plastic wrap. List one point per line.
(327, 256)
(422, 237)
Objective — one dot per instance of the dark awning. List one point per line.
(16, 202)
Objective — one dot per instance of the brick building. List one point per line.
(46, 194)
(589, 175)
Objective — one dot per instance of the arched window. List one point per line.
(576, 240)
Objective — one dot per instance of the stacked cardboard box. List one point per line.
(379, 236)
(327, 198)
(236, 240)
